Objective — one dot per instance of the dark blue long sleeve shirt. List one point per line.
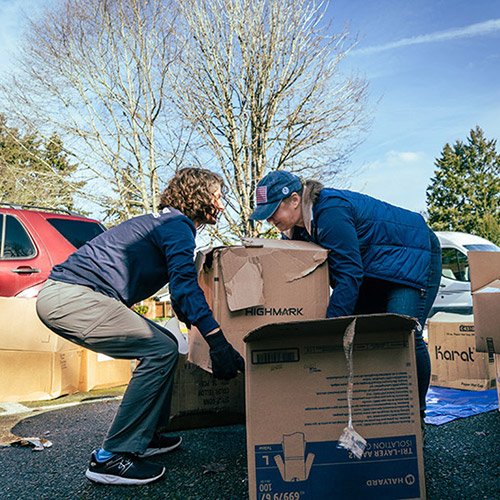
(133, 260)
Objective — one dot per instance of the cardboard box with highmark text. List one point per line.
(297, 408)
(261, 282)
(485, 288)
(454, 360)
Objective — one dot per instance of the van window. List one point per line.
(482, 248)
(455, 265)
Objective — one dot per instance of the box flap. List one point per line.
(242, 279)
(370, 323)
(484, 268)
(280, 244)
(295, 268)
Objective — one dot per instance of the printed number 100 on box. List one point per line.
(266, 493)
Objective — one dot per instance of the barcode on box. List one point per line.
(269, 356)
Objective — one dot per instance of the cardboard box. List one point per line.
(296, 400)
(265, 281)
(200, 400)
(35, 376)
(454, 360)
(99, 371)
(35, 364)
(22, 330)
(485, 288)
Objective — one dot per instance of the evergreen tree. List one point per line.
(33, 172)
(464, 194)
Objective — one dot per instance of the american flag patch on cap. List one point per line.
(261, 194)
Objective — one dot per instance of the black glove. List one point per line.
(226, 361)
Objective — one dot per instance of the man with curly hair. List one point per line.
(87, 300)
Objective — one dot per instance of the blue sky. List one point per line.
(434, 66)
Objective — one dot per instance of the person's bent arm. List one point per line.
(190, 302)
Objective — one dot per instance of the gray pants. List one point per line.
(105, 325)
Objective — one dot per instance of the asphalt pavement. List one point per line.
(462, 459)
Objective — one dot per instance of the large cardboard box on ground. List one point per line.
(485, 287)
(35, 364)
(454, 360)
(200, 400)
(261, 282)
(297, 408)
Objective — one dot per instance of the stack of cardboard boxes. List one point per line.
(246, 286)
(268, 297)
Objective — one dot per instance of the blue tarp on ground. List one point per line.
(445, 405)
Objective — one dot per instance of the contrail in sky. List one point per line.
(477, 29)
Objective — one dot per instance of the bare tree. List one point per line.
(261, 83)
(95, 71)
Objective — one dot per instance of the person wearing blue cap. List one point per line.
(382, 258)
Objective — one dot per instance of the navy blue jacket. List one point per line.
(133, 260)
(367, 237)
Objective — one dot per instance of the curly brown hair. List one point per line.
(191, 192)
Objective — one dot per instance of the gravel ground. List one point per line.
(462, 460)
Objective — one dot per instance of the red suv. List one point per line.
(33, 240)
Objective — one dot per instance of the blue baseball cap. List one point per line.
(271, 190)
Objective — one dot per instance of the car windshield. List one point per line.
(77, 232)
(482, 247)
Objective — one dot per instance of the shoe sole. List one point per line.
(110, 479)
(157, 451)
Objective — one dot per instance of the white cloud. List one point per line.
(477, 29)
(403, 157)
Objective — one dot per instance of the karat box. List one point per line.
(485, 287)
(454, 360)
(297, 408)
(264, 281)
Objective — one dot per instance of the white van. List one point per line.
(454, 291)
